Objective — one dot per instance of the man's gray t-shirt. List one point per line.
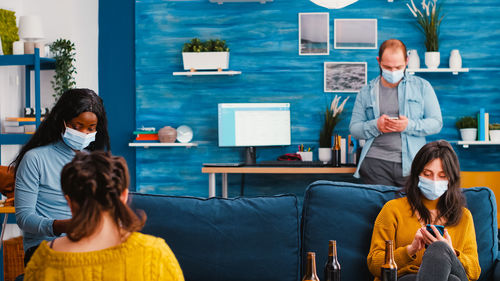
(387, 146)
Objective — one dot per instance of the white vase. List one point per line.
(325, 154)
(495, 135)
(432, 59)
(455, 59)
(413, 59)
(469, 134)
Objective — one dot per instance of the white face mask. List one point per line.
(76, 139)
(432, 190)
(393, 76)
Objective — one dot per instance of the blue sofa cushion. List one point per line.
(344, 212)
(227, 239)
(481, 203)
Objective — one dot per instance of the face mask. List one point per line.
(432, 190)
(393, 76)
(76, 139)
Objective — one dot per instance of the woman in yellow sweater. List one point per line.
(433, 197)
(102, 243)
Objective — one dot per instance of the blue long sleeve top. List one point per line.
(38, 196)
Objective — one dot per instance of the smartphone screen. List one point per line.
(393, 117)
(440, 228)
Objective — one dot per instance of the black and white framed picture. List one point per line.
(345, 77)
(314, 33)
(355, 34)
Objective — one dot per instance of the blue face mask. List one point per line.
(393, 76)
(432, 190)
(76, 139)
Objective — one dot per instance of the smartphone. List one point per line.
(440, 228)
(393, 117)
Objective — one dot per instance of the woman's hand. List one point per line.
(429, 238)
(417, 244)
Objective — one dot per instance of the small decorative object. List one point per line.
(429, 21)
(167, 134)
(208, 55)
(468, 128)
(455, 59)
(30, 30)
(334, 4)
(8, 31)
(314, 33)
(331, 118)
(495, 132)
(1, 49)
(64, 52)
(18, 48)
(306, 155)
(413, 59)
(184, 134)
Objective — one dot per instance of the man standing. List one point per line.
(393, 113)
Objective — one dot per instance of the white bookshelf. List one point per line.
(454, 71)
(196, 73)
(466, 144)
(161, 144)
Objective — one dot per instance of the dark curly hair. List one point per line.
(72, 103)
(450, 204)
(94, 182)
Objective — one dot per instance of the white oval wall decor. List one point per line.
(334, 4)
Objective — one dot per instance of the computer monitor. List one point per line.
(254, 124)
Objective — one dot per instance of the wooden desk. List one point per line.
(211, 171)
(6, 211)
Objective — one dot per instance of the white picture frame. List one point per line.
(355, 34)
(314, 34)
(344, 77)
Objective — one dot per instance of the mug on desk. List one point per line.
(306, 155)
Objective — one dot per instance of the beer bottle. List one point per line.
(332, 267)
(310, 268)
(389, 270)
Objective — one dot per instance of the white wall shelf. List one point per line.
(455, 71)
(466, 144)
(161, 144)
(191, 73)
(239, 1)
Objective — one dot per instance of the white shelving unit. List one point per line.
(161, 144)
(239, 1)
(466, 144)
(194, 73)
(454, 71)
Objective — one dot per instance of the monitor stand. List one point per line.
(250, 156)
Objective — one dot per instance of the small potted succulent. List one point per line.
(208, 55)
(495, 132)
(468, 128)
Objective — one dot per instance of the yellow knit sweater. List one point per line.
(396, 222)
(142, 257)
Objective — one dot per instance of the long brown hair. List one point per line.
(94, 182)
(450, 204)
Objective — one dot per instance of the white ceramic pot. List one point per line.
(325, 154)
(205, 60)
(495, 135)
(455, 59)
(469, 134)
(413, 59)
(432, 59)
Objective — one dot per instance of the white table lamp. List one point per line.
(30, 30)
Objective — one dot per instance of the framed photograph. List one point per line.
(314, 33)
(345, 77)
(355, 34)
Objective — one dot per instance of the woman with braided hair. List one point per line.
(101, 242)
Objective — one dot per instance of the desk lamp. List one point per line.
(30, 30)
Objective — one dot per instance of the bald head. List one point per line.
(392, 45)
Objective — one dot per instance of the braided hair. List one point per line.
(94, 183)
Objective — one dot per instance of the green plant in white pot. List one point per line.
(331, 117)
(468, 128)
(208, 55)
(495, 132)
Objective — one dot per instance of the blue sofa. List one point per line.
(264, 238)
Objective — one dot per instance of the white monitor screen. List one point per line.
(254, 124)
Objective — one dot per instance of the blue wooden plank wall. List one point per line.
(263, 39)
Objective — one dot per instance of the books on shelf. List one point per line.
(146, 134)
(19, 125)
(483, 124)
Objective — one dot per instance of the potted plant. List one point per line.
(331, 117)
(208, 55)
(64, 54)
(468, 128)
(8, 31)
(429, 21)
(495, 132)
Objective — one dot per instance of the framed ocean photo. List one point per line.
(314, 33)
(355, 34)
(344, 77)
